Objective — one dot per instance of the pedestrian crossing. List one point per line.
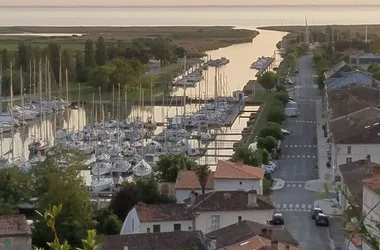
(298, 121)
(300, 146)
(297, 156)
(295, 184)
(293, 207)
(306, 100)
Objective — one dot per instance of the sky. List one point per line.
(182, 2)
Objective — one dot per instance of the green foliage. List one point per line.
(169, 165)
(6, 82)
(268, 143)
(272, 129)
(321, 81)
(291, 58)
(267, 187)
(91, 242)
(55, 185)
(268, 80)
(23, 56)
(80, 70)
(14, 189)
(101, 52)
(276, 114)
(111, 225)
(144, 190)
(282, 96)
(5, 60)
(53, 55)
(89, 54)
(202, 172)
(248, 156)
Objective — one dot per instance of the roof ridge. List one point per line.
(240, 168)
(354, 113)
(206, 198)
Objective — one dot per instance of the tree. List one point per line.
(54, 185)
(101, 77)
(267, 187)
(268, 143)
(272, 129)
(276, 114)
(268, 80)
(91, 242)
(80, 71)
(23, 56)
(169, 165)
(6, 82)
(120, 47)
(292, 59)
(180, 52)
(247, 156)
(54, 50)
(101, 52)
(373, 68)
(162, 49)
(111, 225)
(89, 54)
(13, 189)
(282, 96)
(202, 172)
(5, 60)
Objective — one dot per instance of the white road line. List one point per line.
(290, 205)
(294, 185)
(297, 205)
(278, 205)
(303, 206)
(299, 185)
(309, 206)
(284, 205)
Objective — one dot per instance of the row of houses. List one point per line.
(352, 107)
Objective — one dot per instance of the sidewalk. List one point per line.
(319, 186)
(278, 184)
(324, 173)
(329, 207)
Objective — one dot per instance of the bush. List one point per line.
(268, 143)
(276, 114)
(280, 88)
(272, 129)
(283, 97)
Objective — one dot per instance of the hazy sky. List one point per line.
(181, 2)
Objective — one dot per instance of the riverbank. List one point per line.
(195, 39)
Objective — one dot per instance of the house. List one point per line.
(351, 98)
(365, 60)
(228, 176)
(158, 241)
(206, 213)
(220, 209)
(371, 208)
(155, 218)
(351, 77)
(15, 233)
(355, 136)
(252, 235)
(337, 70)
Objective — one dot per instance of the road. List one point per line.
(297, 165)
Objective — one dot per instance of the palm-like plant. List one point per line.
(202, 171)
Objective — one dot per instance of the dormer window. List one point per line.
(148, 230)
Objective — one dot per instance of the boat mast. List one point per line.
(11, 111)
(60, 75)
(118, 117)
(34, 77)
(22, 95)
(126, 101)
(67, 100)
(79, 117)
(113, 101)
(1, 88)
(40, 93)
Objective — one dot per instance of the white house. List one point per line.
(228, 176)
(155, 218)
(371, 208)
(354, 137)
(205, 213)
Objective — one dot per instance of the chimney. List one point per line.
(274, 245)
(264, 231)
(376, 170)
(287, 247)
(126, 248)
(269, 234)
(192, 198)
(212, 243)
(252, 198)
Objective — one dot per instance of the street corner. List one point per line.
(319, 186)
(278, 184)
(329, 207)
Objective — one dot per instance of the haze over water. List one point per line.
(241, 55)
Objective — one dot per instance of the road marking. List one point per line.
(309, 206)
(298, 121)
(298, 156)
(300, 146)
(303, 206)
(297, 206)
(293, 207)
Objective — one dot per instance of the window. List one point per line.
(133, 225)
(348, 160)
(189, 228)
(215, 222)
(148, 230)
(177, 227)
(368, 157)
(348, 149)
(156, 228)
(240, 183)
(7, 244)
(239, 218)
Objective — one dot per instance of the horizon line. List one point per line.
(189, 6)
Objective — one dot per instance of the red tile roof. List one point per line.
(373, 183)
(189, 180)
(162, 212)
(232, 170)
(11, 225)
(257, 242)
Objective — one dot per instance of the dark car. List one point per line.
(315, 212)
(277, 219)
(322, 220)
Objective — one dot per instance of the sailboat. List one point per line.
(150, 124)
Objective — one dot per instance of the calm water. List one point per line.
(234, 75)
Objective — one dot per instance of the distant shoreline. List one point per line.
(195, 6)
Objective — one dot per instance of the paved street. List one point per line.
(297, 165)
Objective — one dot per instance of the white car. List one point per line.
(291, 102)
(285, 132)
(274, 165)
(269, 168)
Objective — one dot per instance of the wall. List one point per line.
(16, 243)
(182, 194)
(131, 223)
(234, 184)
(203, 220)
(371, 200)
(166, 226)
(350, 246)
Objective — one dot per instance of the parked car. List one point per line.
(268, 175)
(274, 165)
(269, 168)
(285, 132)
(296, 71)
(315, 212)
(322, 220)
(277, 219)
